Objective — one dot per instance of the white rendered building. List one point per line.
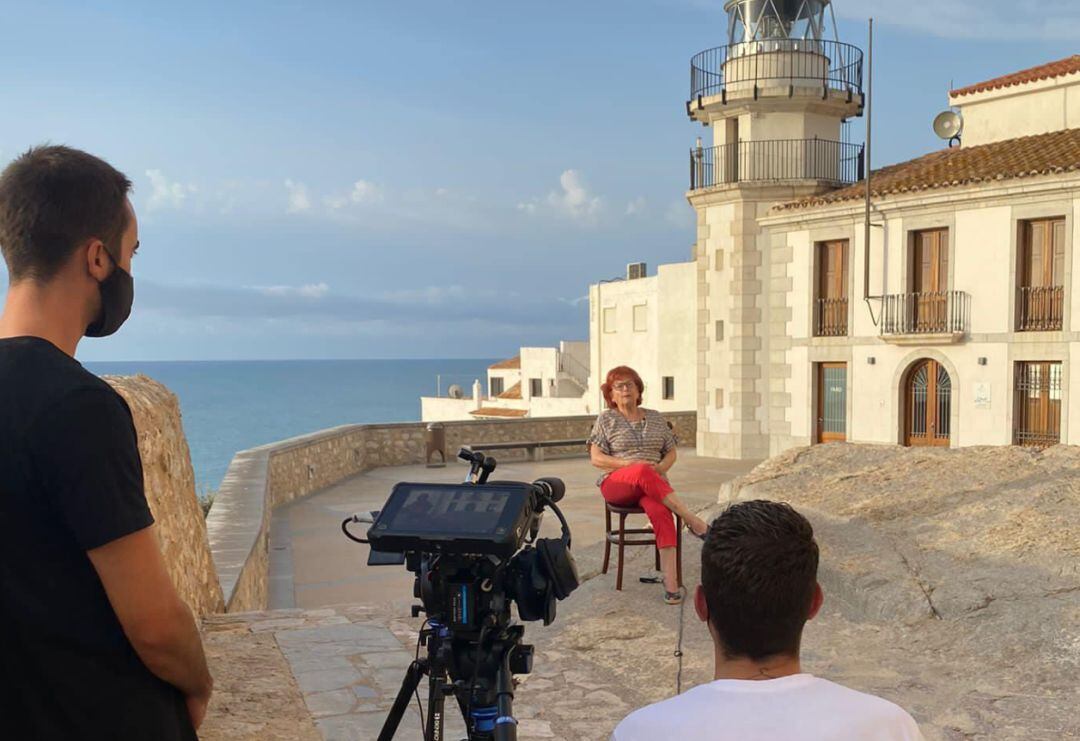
(538, 382)
(649, 324)
(970, 331)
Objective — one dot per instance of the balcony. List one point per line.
(830, 317)
(937, 317)
(835, 163)
(823, 69)
(1040, 308)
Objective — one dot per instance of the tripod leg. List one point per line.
(416, 670)
(436, 708)
(505, 724)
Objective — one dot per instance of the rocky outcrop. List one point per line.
(170, 491)
(966, 566)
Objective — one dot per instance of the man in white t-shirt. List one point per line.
(758, 588)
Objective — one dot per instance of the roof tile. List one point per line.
(1044, 154)
(498, 412)
(514, 392)
(513, 363)
(1066, 66)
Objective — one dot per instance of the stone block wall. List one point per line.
(170, 491)
(263, 478)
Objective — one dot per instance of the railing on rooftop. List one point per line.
(836, 163)
(789, 63)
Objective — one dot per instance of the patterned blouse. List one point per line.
(647, 440)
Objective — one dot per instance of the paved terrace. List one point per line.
(327, 660)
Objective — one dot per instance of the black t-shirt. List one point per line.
(70, 481)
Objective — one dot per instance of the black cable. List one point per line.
(350, 536)
(678, 646)
(416, 692)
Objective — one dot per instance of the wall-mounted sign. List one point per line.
(982, 395)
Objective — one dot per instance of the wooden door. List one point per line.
(930, 279)
(832, 288)
(832, 402)
(1037, 417)
(928, 405)
(1042, 275)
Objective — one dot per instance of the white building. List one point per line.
(648, 323)
(538, 382)
(970, 331)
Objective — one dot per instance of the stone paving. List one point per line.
(346, 663)
(313, 565)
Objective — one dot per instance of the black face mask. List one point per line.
(117, 295)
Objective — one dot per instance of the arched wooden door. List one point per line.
(927, 405)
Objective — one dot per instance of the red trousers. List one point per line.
(640, 485)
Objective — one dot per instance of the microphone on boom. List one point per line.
(552, 488)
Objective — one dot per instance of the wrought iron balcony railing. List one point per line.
(936, 312)
(830, 317)
(801, 63)
(836, 163)
(1039, 308)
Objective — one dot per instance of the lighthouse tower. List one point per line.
(775, 98)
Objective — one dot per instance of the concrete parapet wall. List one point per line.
(260, 479)
(170, 491)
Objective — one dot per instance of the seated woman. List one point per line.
(636, 448)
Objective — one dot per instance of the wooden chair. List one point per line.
(619, 538)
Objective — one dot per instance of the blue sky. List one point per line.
(424, 179)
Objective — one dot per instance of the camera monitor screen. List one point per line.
(452, 517)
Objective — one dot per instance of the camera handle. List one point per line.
(480, 466)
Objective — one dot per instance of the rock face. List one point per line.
(170, 491)
(966, 563)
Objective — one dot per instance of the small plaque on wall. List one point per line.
(982, 395)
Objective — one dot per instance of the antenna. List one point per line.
(949, 125)
(455, 392)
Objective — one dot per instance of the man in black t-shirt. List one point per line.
(95, 643)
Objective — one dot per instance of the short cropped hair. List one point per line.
(52, 199)
(759, 572)
(621, 372)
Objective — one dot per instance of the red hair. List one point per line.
(622, 371)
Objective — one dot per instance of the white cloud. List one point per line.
(308, 290)
(365, 192)
(166, 193)
(574, 199)
(529, 208)
(636, 207)
(299, 201)
(1045, 20)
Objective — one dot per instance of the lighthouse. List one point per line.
(774, 100)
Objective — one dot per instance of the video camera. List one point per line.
(475, 550)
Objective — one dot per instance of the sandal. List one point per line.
(673, 598)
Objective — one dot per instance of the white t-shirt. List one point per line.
(800, 707)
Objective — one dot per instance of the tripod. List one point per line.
(489, 719)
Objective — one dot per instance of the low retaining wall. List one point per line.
(260, 479)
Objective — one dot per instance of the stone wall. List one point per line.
(260, 479)
(170, 491)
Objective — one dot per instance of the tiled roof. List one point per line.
(514, 392)
(498, 412)
(513, 363)
(1066, 66)
(1044, 154)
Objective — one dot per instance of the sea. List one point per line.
(234, 405)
